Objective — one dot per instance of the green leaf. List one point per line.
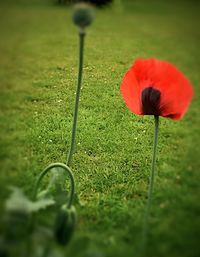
(57, 180)
(18, 201)
(57, 187)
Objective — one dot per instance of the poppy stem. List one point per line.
(39, 179)
(150, 190)
(78, 89)
(68, 172)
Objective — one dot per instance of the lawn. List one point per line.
(38, 74)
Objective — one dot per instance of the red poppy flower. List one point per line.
(154, 87)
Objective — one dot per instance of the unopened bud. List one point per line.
(83, 15)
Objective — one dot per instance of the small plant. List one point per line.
(26, 231)
(158, 88)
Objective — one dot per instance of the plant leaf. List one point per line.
(18, 201)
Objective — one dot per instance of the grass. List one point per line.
(38, 69)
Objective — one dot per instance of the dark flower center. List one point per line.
(151, 101)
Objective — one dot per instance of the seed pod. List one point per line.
(83, 15)
(65, 225)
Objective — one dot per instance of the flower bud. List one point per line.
(65, 225)
(83, 15)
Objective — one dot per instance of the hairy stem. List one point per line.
(69, 173)
(80, 72)
(150, 190)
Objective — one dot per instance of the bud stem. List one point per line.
(75, 116)
(71, 177)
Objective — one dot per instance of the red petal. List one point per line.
(176, 90)
(131, 92)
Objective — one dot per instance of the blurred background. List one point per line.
(38, 73)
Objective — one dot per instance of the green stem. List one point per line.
(39, 179)
(80, 72)
(150, 191)
(71, 177)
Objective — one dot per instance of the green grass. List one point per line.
(38, 69)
